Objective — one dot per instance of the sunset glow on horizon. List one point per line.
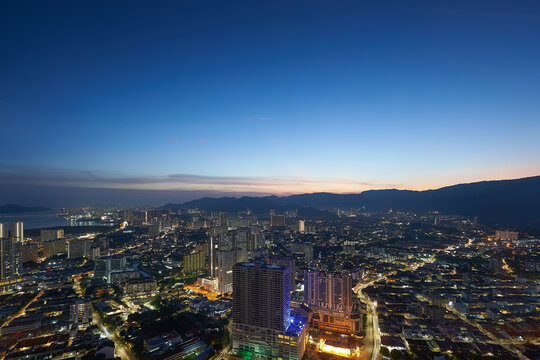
(344, 98)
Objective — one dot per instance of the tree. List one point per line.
(396, 355)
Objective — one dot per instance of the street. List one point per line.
(120, 349)
(372, 340)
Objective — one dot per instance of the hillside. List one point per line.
(15, 209)
(503, 202)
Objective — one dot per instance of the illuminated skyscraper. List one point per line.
(6, 258)
(17, 231)
(4, 230)
(11, 250)
(212, 256)
(226, 261)
(263, 327)
(301, 226)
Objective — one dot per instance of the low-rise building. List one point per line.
(140, 286)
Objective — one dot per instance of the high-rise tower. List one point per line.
(263, 326)
(17, 230)
(330, 296)
(11, 250)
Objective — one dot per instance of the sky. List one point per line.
(180, 99)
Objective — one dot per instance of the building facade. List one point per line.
(506, 235)
(54, 247)
(51, 234)
(226, 261)
(277, 220)
(141, 286)
(330, 296)
(194, 263)
(29, 252)
(104, 266)
(79, 248)
(81, 312)
(11, 250)
(263, 326)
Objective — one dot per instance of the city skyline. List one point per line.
(270, 180)
(273, 99)
(17, 191)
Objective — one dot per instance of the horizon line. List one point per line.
(198, 194)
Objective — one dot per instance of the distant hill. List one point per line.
(258, 205)
(12, 209)
(511, 203)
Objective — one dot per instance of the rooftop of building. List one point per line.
(260, 264)
(296, 325)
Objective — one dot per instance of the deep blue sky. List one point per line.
(274, 97)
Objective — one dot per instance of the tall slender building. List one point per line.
(212, 255)
(241, 244)
(221, 219)
(17, 230)
(301, 226)
(226, 261)
(4, 230)
(263, 326)
(11, 250)
(17, 233)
